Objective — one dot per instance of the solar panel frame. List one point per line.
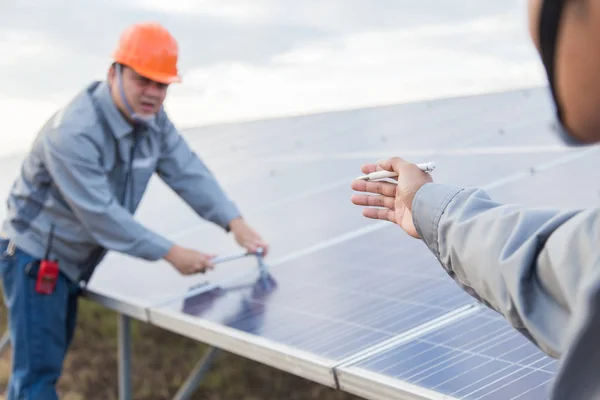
(375, 386)
(286, 358)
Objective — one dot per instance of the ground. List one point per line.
(161, 361)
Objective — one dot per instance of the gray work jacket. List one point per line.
(539, 268)
(86, 174)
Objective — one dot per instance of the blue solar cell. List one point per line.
(478, 357)
(264, 313)
(334, 306)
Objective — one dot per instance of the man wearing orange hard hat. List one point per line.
(76, 194)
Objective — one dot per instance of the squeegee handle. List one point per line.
(219, 260)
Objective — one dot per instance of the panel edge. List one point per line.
(374, 386)
(265, 351)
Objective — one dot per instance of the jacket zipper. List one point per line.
(129, 181)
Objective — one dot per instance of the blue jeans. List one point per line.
(41, 327)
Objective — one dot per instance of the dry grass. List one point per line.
(161, 362)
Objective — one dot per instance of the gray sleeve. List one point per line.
(73, 161)
(181, 169)
(537, 267)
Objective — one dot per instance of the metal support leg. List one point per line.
(193, 381)
(4, 342)
(124, 358)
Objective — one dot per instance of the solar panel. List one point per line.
(477, 357)
(343, 290)
(322, 216)
(322, 305)
(332, 304)
(329, 299)
(333, 270)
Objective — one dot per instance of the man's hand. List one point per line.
(247, 237)
(393, 200)
(188, 261)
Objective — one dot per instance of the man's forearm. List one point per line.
(500, 253)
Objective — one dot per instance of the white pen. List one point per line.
(425, 167)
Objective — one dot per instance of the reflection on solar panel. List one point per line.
(310, 309)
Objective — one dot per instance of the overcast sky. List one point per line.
(260, 58)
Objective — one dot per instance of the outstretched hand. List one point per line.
(392, 201)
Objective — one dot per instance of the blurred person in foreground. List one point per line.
(76, 194)
(539, 268)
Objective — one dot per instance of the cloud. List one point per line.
(21, 120)
(339, 15)
(250, 60)
(87, 34)
(18, 47)
(254, 10)
(364, 69)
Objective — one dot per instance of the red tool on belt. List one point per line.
(48, 272)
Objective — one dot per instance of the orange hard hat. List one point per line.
(150, 50)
